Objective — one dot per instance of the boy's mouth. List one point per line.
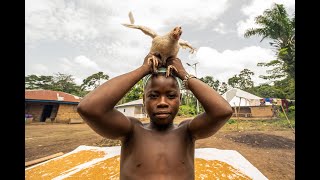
(162, 115)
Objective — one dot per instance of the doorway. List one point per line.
(46, 112)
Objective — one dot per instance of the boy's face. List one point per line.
(162, 99)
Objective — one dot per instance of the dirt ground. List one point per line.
(270, 149)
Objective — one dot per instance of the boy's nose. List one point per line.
(162, 102)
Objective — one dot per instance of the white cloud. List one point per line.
(220, 28)
(79, 67)
(86, 63)
(100, 43)
(226, 64)
(87, 20)
(256, 8)
(40, 69)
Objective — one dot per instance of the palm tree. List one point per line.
(276, 25)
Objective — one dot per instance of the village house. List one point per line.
(52, 106)
(133, 109)
(247, 105)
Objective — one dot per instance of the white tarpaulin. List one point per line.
(89, 162)
(237, 97)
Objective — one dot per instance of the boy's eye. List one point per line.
(152, 96)
(171, 96)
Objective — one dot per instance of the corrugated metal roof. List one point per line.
(51, 95)
(132, 103)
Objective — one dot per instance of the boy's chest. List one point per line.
(159, 149)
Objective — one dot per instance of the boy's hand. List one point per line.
(176, 62)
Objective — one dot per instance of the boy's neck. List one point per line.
(156, 127)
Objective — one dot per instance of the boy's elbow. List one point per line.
(226, 113)
(83, 109)
(80, 108)
(229, 111)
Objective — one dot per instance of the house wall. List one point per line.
(66, 112)
(35, 109)
(261, 111)
(133, 111)
(127, 110)
(60, 112)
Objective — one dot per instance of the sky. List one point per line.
(83, 37)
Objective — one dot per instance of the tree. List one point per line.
(209, 80)
(266, 90)
(135, 93)
(287, 86)
(58, 82)
(223, 88)
(276, 25)
(242, 81)
(38, 82)
(65, 83)
(94, 80)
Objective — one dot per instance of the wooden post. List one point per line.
(287, 117)
(238, 114)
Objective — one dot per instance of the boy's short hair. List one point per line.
(161, 71)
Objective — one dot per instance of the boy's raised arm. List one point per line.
(217, 109)
(97, 107)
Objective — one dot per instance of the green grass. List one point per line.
(259, 125)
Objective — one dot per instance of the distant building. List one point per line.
(133, 109)
(250, 105)
(52, 106)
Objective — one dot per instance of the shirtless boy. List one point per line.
(159, 150)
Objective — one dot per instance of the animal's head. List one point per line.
(176, 32)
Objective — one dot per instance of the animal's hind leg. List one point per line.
(169, 70)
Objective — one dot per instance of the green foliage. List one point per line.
(292, 109)
(185, 110)
(94, 80)
(223, 88)
(135, 93)
(287, 86)
(266, 90)
(38, 82)
(215, 84)
(231, 121)
(242, 81)
(276, 25)
(63, 82)
(209, 80)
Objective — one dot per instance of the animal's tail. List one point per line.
(131, 26)
(131, 18)
(131, 21)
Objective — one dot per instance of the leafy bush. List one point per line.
(231, 121)
(185, 110)
(292, 109)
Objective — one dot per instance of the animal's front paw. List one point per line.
(169, 70)
(155, 62)
(192, 50)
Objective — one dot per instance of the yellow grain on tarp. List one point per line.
(107, 169)
(59, 166)
(214, 169)
(204, 169)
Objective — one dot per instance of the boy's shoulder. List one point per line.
(184, 122)
(134, 120)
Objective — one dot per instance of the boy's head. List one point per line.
(161, 98)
